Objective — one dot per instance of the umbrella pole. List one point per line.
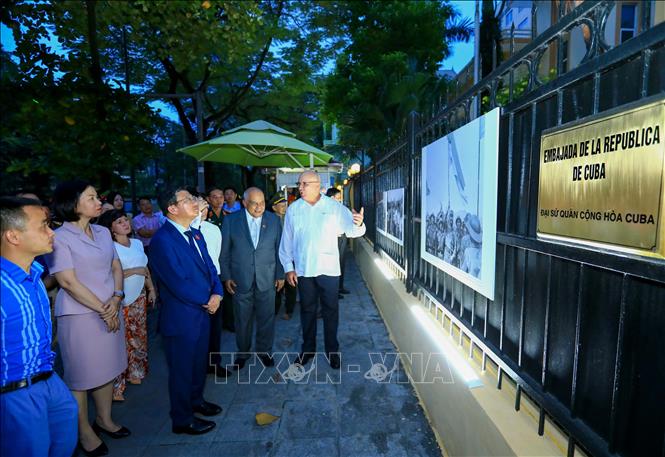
(311, 160)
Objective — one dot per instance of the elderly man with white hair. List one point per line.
(310, 257)
(252, 273)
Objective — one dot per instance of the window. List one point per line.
(628, 22)
(524, 24)
(509, 18)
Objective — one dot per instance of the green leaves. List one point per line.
(388, 67)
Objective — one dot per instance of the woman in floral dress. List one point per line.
(139, 293)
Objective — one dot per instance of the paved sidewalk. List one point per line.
(326, 413)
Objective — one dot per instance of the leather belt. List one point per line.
(15, 385)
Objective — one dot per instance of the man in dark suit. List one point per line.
(189, 290)
(251, 272)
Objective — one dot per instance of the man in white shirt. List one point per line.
(310, 257)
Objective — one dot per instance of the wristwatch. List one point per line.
(119, 293)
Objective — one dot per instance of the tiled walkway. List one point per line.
(325, 413)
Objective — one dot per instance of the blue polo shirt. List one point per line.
(25, 327)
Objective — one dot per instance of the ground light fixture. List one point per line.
(443, 344)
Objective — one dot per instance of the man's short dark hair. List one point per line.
(12, 215)
(168, 198)
(212, 189)
(231, 188)
(333, 191)
(25, 194)
(144, 197)
(66, 197)
(194, 191)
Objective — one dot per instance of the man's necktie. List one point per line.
(255, 232)
(192, 243)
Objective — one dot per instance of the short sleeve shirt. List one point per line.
(91, 260)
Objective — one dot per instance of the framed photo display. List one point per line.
(459, 192)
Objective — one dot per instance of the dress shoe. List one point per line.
(344, 291)
(218, 371)
(122, 432)
(100, 450)
(240, 363)
(208, 409)
(266, 360)
(340, 296)
(334, 361)
(305, 357)
(197, 427)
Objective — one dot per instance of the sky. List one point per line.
(462, 53)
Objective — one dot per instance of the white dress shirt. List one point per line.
(254, 224)
(309, 237)
(182, 231)
(213, 238)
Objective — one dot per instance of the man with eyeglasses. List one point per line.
(310, 257)
(252, 273)
(190, 291)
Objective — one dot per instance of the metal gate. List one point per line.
(579, 331)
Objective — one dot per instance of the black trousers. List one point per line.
(289, 293)
(227, 312)
(214, 342)
(312, 290)
(342, 241)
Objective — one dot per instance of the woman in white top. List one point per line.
(139, 292)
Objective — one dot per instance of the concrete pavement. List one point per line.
(356, 411)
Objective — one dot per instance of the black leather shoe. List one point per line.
(208, 409)
(266, 360)
(99, 451)
(197, 427)
(122, 432)
(335, 362)
(344, 291)
(340, 296)
(305, 357)
(218, 370)
(239, 363)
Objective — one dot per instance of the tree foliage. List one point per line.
(244, 58)
(389, 67)
(490, 35)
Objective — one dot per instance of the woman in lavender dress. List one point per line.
(90, 333)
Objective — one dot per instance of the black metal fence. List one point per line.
(579, 330)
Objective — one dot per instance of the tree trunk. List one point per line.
(96, 74)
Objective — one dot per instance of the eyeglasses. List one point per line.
(305, 183)
(189, 199)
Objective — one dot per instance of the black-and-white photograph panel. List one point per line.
(381, 213)
(395, 215)
(459, 202)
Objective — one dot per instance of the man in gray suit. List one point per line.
(252, 272)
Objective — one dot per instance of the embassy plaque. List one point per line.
(601, 180)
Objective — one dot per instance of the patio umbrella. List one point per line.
(258, 144)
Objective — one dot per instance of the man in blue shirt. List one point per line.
(38, 412)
